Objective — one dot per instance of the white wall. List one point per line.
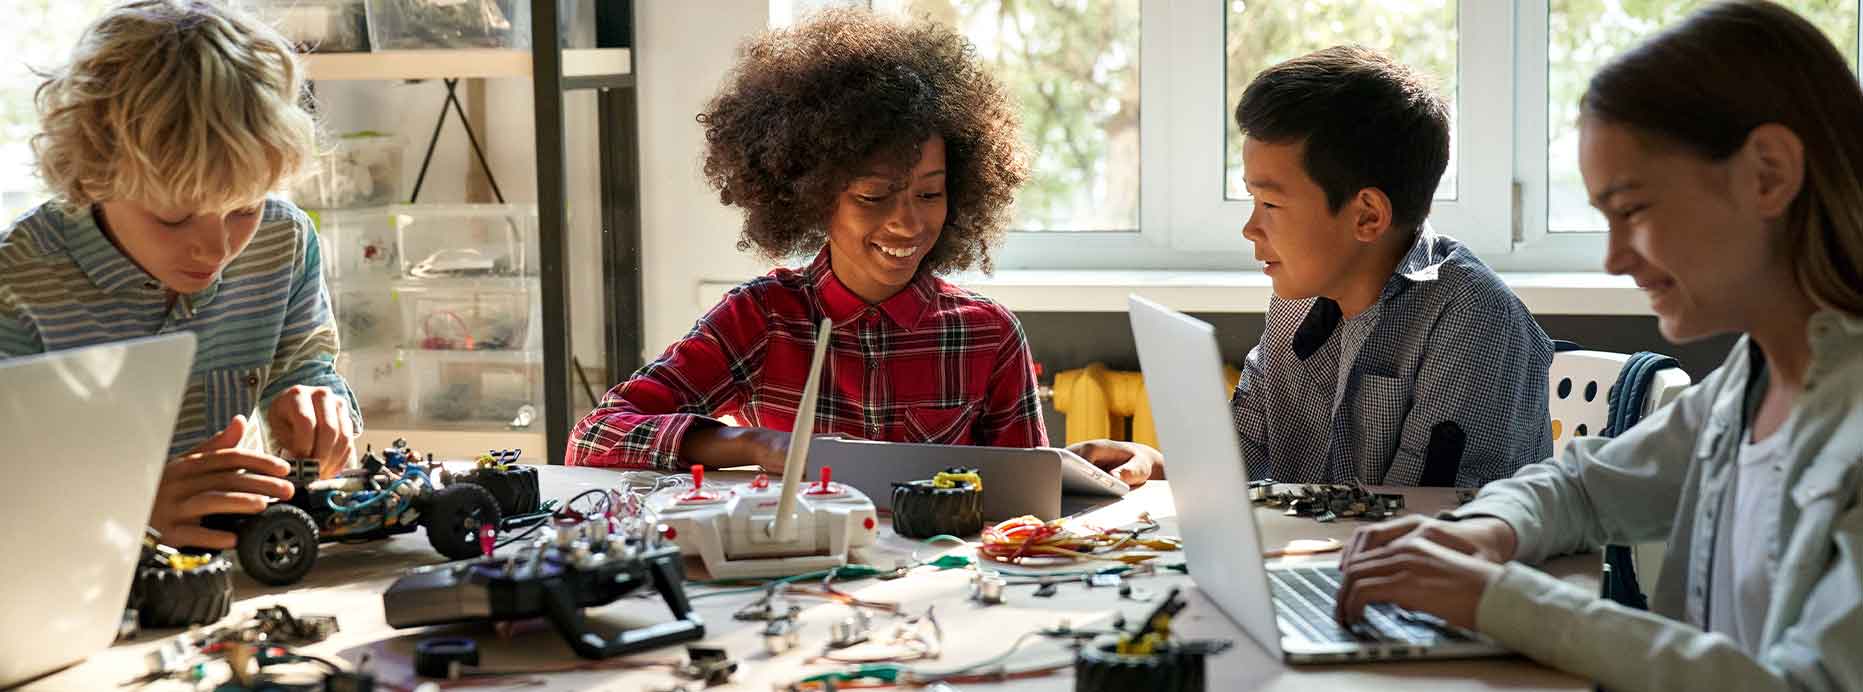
(407, 110)
(688, 237)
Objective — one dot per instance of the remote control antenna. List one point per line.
(784, 527)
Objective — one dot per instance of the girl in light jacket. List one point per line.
(1727, 155)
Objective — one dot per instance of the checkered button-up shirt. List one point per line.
(1329, 399)
(933, 364)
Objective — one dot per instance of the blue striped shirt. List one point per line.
(263, 326)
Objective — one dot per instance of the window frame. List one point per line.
(1186, 223)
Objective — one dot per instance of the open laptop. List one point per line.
(1286, 608)
(87, 434)
(1015, 481)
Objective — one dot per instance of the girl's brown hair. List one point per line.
(1707, 82)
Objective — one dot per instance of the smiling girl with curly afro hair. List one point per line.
(809, 110)
(885, 149)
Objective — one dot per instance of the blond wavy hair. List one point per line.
(174, 104)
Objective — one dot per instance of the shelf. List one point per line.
(590, 67)
(482, 283)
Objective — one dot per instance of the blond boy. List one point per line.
(160, 140)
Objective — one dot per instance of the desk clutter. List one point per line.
(549, 561)
(1324, 502)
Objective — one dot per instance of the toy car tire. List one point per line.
(168, 597)
(1099, 667)
(454, 517)
(278, 546)
(515, 487)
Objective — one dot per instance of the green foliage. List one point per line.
(1074, 69)
(1583, 35)
(41, 35)
(1073, 65)
(1260, 33)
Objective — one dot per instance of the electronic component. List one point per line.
(782, 633)
(707, 664)
(1146, 658)
(444, 657)
(1328, 502)
(391, 494)
(547, 579)
(850, 630)
(758, 530)
(950, 503)
(989, 589)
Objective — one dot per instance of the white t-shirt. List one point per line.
(1744, 566)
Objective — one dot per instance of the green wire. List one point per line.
(846, 572)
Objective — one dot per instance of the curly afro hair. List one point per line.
(807, 108)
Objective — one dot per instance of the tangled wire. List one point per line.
(1027, 537)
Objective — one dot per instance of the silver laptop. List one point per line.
(1287, 609)
(1015, 481)
(87, 433)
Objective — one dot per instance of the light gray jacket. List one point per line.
(1665, 478)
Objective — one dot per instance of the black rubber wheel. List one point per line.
(168, 597)
(453, 519)
(278, 546)
(1100, 667)
(515, 488)
(921, 510)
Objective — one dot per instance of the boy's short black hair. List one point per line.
(1367, 121)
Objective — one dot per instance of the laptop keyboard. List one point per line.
(1304, 598)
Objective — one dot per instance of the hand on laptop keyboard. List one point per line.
(1415, 573)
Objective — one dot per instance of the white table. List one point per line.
(349, 579)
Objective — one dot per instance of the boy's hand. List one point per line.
(215, 478)
(313, 423)
(1131, 462)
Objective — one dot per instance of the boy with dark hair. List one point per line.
(1392, 355)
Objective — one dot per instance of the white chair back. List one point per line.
(1578, 398)
(1578, 393)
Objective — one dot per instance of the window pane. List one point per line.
(1582, 35)
(1074, 68)
(1261, 33)
(43, 35)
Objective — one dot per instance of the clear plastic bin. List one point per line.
(357, 243)
(368, 317)
(502, 390)
(359, 169)
(426, 24)
(382, 382)
(317, 26)
(455, 241)
(469, 316)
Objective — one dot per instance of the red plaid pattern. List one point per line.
(934, 363)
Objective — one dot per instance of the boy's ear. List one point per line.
(1371, 212)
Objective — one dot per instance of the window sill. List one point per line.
(1041, 290)
(1062, 290)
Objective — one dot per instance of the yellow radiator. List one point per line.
(1097, 402)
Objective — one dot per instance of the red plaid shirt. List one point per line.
(934, 363)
